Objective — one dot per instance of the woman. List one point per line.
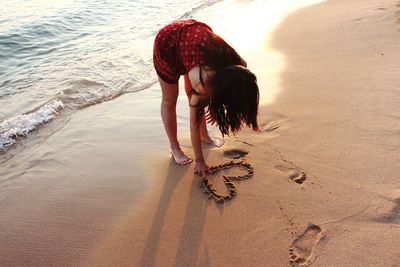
(216, 80)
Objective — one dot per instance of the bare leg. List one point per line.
(205, 136)
(168, 115)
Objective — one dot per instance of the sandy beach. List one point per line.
(104, 191)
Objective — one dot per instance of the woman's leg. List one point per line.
(168, 115)
(205, 137)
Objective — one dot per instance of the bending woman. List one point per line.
(217, 84)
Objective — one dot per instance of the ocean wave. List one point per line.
(74, 99)
(201, 5)
(21, 125)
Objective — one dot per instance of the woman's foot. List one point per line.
(180, 157)
(212, 140)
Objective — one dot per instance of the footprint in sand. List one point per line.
(293, 173)
(301, 251)
(394, 215)
(297, 176)
(235, 153)
(270, 126)
(398, 12)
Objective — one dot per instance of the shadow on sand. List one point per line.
(192, 225)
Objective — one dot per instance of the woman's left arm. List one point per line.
(201, 168)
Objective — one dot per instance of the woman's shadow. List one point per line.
(192, 226)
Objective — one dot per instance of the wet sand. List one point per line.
(103, 190)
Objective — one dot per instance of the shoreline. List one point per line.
(103, 191)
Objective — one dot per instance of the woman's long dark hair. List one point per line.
(234, 90)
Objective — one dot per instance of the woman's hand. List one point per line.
(201, 168)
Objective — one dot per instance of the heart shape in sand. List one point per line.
(228, 180)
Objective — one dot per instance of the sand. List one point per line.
(103, 190)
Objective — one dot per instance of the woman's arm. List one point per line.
(195, 135)
(196, 94)
(200, 168)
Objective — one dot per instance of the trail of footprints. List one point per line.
(302, 249)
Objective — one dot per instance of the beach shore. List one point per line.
(103, 190)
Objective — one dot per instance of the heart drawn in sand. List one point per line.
(228, 180)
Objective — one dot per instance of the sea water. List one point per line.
(69, 54)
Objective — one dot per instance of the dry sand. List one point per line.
(102, 191)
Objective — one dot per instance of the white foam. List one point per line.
(22, 125)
